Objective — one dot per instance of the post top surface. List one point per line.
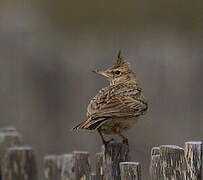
(129, 163)
(80, 152)
(171, 147)
(194, 142)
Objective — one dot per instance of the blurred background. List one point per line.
(49, 48)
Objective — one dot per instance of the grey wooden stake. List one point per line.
(59, 167)
(116, 153)
(99, 166)
(52, 168)
(19, 164)
(74, 166)
(172, 162)
(130, 171)
(193, 158)
(82, 165)
(155, 166)
(93, 176)
(67, 170)
(8, 137)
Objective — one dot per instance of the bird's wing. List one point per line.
(121, 100)
(119, 106)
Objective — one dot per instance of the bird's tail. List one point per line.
(79, 126)
(90, 124)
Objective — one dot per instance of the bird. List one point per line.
(117, 107)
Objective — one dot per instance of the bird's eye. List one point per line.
(117, 72)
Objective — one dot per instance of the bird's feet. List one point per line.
(125, 140)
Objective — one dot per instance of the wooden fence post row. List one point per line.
(174, 162)
(76, 166)
(168, 162)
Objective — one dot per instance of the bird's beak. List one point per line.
(103, 73)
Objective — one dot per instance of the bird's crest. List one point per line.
(120, 61)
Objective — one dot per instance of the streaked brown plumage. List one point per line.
(118, 106)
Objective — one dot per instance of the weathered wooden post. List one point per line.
(172, 162)
(67, 167)
(19, 164)
(193, 159)
(116, 153)
(74, 166)
(130, 171)
(93, 176)
(52, 168)
(8, 137)
(82, 165)
(155, 164)
(99, 166)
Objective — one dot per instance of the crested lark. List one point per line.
(118, 106)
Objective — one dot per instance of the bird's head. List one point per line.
(120, 72)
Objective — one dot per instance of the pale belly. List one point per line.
(119, 124)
